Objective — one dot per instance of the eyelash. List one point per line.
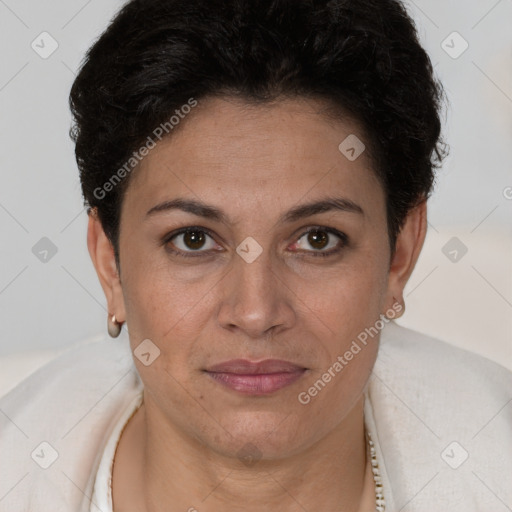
(194, 254)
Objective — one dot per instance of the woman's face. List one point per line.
(254, 280)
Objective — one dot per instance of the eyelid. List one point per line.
(198, 253)
(344, 240)
(167, 239)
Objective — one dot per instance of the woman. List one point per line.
(257, 174)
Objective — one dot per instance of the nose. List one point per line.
(256, 299)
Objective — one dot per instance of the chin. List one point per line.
(257, 435)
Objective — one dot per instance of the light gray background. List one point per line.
(58, 303)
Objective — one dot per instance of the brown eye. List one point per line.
(194, 239)
(190, 241)
(318, 239)
(321, 241)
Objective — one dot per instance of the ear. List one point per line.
(102, 255)
(408, 247)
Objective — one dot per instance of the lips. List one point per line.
(256, 378)
(245, 367)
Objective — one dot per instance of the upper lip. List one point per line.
(246, 367)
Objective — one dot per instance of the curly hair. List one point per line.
(362, 56)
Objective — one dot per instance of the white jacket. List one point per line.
(440, 418)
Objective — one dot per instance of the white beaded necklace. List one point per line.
(380, 503)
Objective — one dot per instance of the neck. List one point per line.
(161, 465)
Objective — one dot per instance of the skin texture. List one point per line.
(181, 449)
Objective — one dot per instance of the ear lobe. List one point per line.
(408, 248)
(103, 258)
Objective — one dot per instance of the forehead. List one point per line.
(234, 148)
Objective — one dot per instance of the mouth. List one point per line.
(256, 378)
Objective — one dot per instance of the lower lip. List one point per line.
(260, 384)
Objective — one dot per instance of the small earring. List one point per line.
(113, 326)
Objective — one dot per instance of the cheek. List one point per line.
(349, 308)
(348, 304)
(160, 303)
(346, 300)
(168, 313)
(171, 313)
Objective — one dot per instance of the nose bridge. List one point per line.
(255, 279)
(254, 300)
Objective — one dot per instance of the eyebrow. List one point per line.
(299, 212)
